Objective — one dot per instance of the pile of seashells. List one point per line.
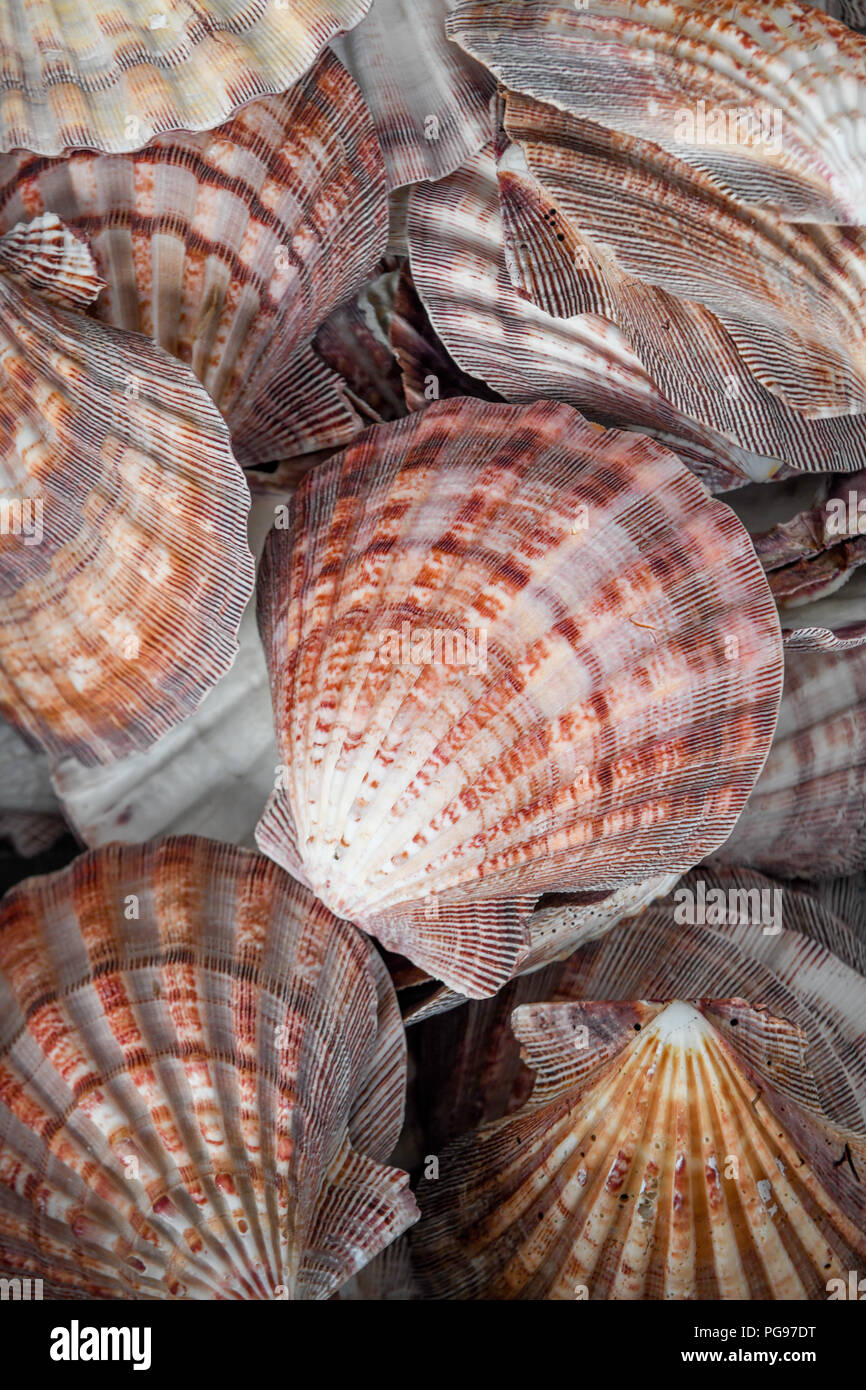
(433, 648)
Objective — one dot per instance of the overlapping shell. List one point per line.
(644, 67)
(123, 560)
(201, 1075)
(798, 952)
(667, 1151)
(510, 653)
(721, 420)
(112, 74)
(694, 278)
(230, 248)
(807, 814)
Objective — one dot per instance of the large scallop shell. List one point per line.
(769, 101)
(110, 74)
(230, 248)
(201, 1075)
(799, 953)
(429, 99)
(458, 256)
(667, 1151)
(656, 245)
(601, 698)
(807, 814)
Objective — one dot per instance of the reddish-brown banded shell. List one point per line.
(621, 710)
(230, 248)
(110, 74)
(127, 569)
(784, 302)
(667, 1151)
(201, 1075)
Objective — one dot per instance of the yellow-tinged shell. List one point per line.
(510, 653)
(668, 1151)
(230, 248)
(800, 955)
(112, 74)
(124, 560)
(201, 1075)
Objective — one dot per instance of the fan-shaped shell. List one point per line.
(125, 568)
(201, 1073)
(579, 724)
(787, 304)
(458, 257)
(667, 1151)
(800, 955)
(681, 72)
(429, 99)
(807, 814)
(230, 248)
(110, 74)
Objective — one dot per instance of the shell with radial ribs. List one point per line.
(727, 431)
(667, 1151)
(801, 957)
(510, 653)
(687, 272)
(806, 817)
(682, 73)
(110, 74)
(230, 248)
(202, 1073)
(127, 569)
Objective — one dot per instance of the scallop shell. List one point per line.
(111, 75)
(787, 302)
(669, 1150)
(459, 267)
(769, 102)
(45, 255)
(429, 99)
(125, 568)
(230, 248)
(807, 814)
(201, 1074)
(559, 924)
(800, 953)
(618, 649)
